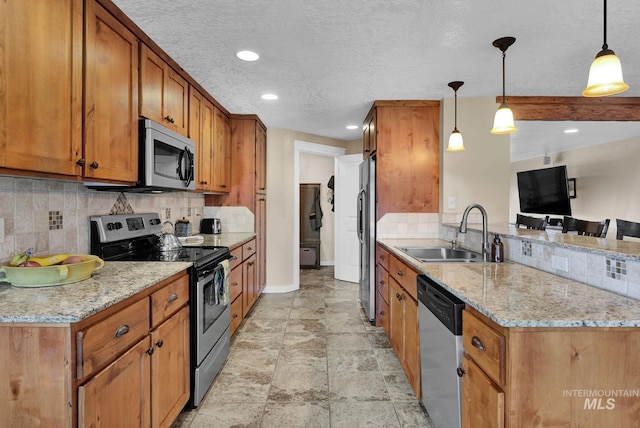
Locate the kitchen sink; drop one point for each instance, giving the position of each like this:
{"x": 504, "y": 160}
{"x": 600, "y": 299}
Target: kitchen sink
{"x": 442, "y": 254}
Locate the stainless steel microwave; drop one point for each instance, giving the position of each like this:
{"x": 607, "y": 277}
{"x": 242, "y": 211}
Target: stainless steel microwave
{"x": 167, "y": 159}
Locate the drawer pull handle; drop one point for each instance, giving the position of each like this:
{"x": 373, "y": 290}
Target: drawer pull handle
{"x": 234, "y": 316}
{"x": 234, "y": 284}
{"x": 159, "y": 343}
{"x": 460, "y": 372}
{"x": 121, "y": 331}
{"x": 382, "y": 313}
{"x": 150, "y": 351}
{"x": 475, "y": 341}
{"x": 173, "y": 297}
{"x": 399, "y": 273}
{"x": 398, "y": 296}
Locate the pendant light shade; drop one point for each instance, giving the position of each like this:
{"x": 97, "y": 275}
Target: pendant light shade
{"x": 503, "y": 121}
{"x": 605, "y": 74}
{"x": 455, "y": 139}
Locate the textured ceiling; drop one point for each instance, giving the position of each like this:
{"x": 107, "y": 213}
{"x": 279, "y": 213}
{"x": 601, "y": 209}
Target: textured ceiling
{"x": 328, "y": 60}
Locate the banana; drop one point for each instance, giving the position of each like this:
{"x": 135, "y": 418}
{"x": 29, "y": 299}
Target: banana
{"x": 19, "y": 258}
{"x": 51, "y": 260}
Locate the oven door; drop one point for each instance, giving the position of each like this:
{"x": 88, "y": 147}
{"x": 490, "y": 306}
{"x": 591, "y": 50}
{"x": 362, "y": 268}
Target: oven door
{"x": 211, "y": 302}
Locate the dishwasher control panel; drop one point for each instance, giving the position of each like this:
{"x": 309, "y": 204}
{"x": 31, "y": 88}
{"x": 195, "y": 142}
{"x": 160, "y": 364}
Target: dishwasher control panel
{"x": 443, "y": 304}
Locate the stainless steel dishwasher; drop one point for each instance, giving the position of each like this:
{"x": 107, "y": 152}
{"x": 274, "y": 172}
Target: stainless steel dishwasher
{"x": 440, "y": 317}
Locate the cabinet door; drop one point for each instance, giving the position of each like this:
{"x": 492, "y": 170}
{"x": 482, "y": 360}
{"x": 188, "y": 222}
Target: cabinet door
{"x": 152, "y": 78}
{"x": 41, "y": 85}
{"x": 261, "y": 238}
{"x": 111, "y": 98}
{"x": 411, "y": 343}
{"x": 176, "y": 102}
{"x": 170, "y": 387}
{"x": 261, "y": 159}
{"x": 395, "y": 316}
{"x": 221, "y": 152}
{"x": 369, "y": 134}
{"x": 119, "y": 395}
{"x": 249, "y": 294}
{"x": 482, "y": 400}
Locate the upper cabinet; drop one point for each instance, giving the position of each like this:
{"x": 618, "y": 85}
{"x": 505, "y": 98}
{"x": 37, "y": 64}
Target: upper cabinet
{"x": 261, "y": 158}
{"x": 41, "y": 86}
{"x": 111, "y": 98}
{"x": 407, "y": 150}
{"x": 221, "y": 174}
{"x": 369, "y": 134}
{"x": 164, "y": 94}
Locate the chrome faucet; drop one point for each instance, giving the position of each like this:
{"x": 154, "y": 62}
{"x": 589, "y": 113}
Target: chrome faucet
{"x": 485, "y": 231}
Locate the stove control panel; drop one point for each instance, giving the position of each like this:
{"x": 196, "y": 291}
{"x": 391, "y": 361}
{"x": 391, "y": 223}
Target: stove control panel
{"x": 116, "y": 227}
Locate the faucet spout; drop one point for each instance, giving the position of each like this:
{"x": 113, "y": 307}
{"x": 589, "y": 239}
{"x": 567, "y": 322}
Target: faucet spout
{"x": 485, "y": 230}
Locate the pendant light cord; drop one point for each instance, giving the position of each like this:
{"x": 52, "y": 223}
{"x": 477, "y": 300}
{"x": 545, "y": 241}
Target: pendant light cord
{"x": 503, "y": 75}
{"x": 455, "y": 109}
{"x": 604, "y": 43}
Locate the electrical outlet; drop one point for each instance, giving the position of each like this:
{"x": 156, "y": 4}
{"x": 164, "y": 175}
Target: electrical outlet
{"x": 1, "y": 231}
{"x": 560, "y": 263}
{"x": 451, "y": 202}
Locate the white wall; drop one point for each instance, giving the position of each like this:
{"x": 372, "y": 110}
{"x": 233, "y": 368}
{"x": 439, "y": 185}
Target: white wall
{"x": 480, "y": 174}
{"x": 607, "y": 176}
{"x": 280, "y": 228}
{"x": 319, "y": 169}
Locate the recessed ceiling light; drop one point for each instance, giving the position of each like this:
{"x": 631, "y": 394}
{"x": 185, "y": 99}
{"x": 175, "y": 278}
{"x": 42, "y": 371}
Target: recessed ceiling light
{"x": 269, "y": 97}
{"x": 571, "y": 131}
{"x": 352, "y": 126}
{"x": 248, "y": 56}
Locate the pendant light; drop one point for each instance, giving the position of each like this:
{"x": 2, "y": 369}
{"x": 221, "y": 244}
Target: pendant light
{"x": 503, "y": 120}
{"x": 605, "y": 74}
{"x": 455, "y": 139}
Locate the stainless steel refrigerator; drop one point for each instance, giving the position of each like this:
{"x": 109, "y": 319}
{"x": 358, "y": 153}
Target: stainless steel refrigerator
{"x": 367, "y": 235}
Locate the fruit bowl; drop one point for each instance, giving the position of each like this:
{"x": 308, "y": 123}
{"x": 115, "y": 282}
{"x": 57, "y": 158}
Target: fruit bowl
{"x": 47, "y": 276}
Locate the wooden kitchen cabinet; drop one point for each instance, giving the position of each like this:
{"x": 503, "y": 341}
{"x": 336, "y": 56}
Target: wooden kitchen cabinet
{"x": 382, "y": 289}
{"x": 405, "y": 136}
{"x": 235, "y": 288}
{"x": 261, "y": 241}
{"x": 221, "y": 174}
{"x": 261, "y": 158}
{"x": 164, "y": 94}
{"x": 41, "y": 81}
{"x": 483, "y": 400}
{"x": 403, "y": 320}
{"x": 111, "y": 98}
{"x": 250, "y": 287}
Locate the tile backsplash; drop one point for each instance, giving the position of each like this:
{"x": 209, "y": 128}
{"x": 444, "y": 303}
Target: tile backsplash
{"x": 232, "y": 219}
{"x": 52, "y": 216}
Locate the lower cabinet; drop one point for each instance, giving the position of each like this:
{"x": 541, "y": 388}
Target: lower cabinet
{"x": 244, "y": 286}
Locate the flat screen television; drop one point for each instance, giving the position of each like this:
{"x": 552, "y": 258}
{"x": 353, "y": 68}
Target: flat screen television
{"x": 544, "y": 191}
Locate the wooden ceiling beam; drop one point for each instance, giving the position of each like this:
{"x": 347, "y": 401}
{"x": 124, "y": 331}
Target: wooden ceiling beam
{"x": 574, "y": 108}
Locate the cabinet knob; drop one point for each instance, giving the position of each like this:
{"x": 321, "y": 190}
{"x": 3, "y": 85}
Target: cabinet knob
{"x": 173, "y": 297}
{"x": 475, "y": 341}
{"x": 250, "y": 263}
{"x": 224, "y": 186}
{"x": 382, "y": 313}
{"x": 150, "y": 351}
{"x": 460, "y": 372}
{"x": 234, "y": 316}
{"x": 398, "y": 296}
{"x": 121, "y": 331}
{"x": 234, "y": 284}
{"x": 169, "y": 119}
{"x": 81, "y": 162}
{"x": 159, "y": 343}
{"x": 93, "y": 165}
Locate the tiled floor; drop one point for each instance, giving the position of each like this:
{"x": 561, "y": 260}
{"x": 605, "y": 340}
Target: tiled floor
{"x": 309, "y": 359}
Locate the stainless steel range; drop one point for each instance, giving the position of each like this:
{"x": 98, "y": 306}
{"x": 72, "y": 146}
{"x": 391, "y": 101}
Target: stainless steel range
{"x": 135, "y": 237}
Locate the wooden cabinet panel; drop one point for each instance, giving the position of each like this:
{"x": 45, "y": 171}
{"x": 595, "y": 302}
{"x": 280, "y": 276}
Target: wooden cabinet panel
{"x": 111, "y": 98}
{"x": 205, "y": 155}
{"x": 396, "y": 312}
{"x": 485, "y": 345}
{"x": 482, "y": 400}
{"x": 250, "y": 290}
{"x": 382, "y": 257}
{"x": 261, "y": 159}
{"x": 236, "y": 258}
{"x": 235, "y": 284}
{"x": 369, "y": 140}
{"x": 382, "y": 314}
{"x": 221, "y": 176}
{"x": 249, "y": 248}
{"x": 382, "y": 281}
{"x": 236, "y": 314}
{"x": 41, "y": 86}
{"x": 406, "y": 276}
{"x": 103, "y": 341}
{"x": 169, "y": 299}
{"x": 120, "y": 395}
{"x": 411, "y": 339}
{"x": 164, "y": 94}
{"x": 261, "y": 238}
{"x": 170, "y": 377}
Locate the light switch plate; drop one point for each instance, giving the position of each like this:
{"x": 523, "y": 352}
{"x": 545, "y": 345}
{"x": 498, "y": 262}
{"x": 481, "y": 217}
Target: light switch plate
{"x": 1, "y": 231}
{"x": 451, "y": 202}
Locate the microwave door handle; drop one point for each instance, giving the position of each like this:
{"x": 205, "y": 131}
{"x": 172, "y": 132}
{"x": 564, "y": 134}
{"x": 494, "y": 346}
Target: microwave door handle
{"x": 179, "y": 170}
{"x": 190, "y": 171}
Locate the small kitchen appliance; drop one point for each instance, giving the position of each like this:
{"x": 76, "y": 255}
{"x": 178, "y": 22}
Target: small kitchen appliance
{"x": 211, "y": 225}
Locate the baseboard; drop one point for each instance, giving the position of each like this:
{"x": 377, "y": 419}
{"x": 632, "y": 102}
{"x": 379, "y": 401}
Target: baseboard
{"x": 327, "y": 263}
{"x": 280, "y": 288}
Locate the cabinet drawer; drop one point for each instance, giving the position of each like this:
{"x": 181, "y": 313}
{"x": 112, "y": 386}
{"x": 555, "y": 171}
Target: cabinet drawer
{"x": 382, "y": 257}
{"x": 236, "y": 314}
{"x": 485, "y": 345}
{"x": 236, "y": 258}
{"x": 382, "y": 283}
{"x": 248, "y": 249}
{"x": 104, "y": 341}
{"x": 235, "y": 283}
{"x": 405, "y": 276}
{"x": 382, "y": 314}
{"x": 169, "y": 299}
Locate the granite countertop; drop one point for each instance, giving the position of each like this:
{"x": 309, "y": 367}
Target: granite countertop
{"x": 230, "y": 240}
{"x": 514, "y": 295}
{"x": 73, "y": 302}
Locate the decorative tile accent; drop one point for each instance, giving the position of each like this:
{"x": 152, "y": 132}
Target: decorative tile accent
{"x": 526, "y": 248}
{"x": 189, "y": 212}
{"x": 167, "y": 213}
{"x": 55, "y": 220}
{"x": 616, "y": 268}
{"x": 121, "y": 206}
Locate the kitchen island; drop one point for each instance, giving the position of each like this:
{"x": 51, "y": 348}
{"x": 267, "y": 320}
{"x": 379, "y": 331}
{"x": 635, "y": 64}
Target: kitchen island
{"x": 555, "y": 352}
{"x": 80, "y": 353}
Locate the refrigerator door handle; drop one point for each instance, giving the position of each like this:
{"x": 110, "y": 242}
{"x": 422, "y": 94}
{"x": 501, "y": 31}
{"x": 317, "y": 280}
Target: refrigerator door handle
{"x": 360, "y": 214}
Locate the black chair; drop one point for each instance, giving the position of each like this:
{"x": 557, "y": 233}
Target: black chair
{"x": 586, "y": 228}
{"x": 627, "y": 228}
{"x": 531, "y": 222}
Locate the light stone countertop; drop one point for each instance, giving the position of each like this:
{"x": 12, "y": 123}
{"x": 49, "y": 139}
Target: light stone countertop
{"x": 230, "y": 240}
{"x": 514, "y": 295}
{"x": 74, "y": 302}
